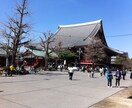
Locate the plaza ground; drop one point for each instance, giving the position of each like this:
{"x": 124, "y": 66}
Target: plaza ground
{"x": 53, "y": 89}
{"x": 122, "y": 99}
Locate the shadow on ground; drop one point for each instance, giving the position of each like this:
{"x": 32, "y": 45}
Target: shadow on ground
{"x": 53, "y": 74}
{"x": 120, "y": 87}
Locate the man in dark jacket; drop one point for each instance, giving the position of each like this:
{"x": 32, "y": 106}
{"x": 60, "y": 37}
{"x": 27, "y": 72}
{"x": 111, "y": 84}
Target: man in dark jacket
{"x": 131, "y": 75}
{"x": 118, "y": 77}
{"x": 123, "y": 74}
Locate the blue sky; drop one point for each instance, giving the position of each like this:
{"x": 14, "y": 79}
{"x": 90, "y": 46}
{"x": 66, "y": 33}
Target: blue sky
{"x": 48, "y": 14}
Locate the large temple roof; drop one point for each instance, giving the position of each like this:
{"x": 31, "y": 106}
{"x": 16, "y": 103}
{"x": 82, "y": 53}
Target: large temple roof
{"x": 81, "y": 34}
{"x": 78, "y": 34}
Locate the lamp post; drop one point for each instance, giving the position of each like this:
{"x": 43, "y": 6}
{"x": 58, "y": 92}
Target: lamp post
{"x": 79, "y": 54}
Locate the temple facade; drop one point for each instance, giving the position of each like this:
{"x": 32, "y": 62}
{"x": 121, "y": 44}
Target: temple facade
{"x": 77, "y": 36}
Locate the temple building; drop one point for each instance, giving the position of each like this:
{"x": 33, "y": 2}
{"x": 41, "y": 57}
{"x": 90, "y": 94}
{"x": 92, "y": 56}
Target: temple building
{"x": 76, "y": 36}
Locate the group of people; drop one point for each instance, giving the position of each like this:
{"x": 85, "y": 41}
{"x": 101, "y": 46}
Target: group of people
{"x": 10, "y": 69}
{"x": 102, "y": 71}
{"x": 90, "y": 70}
{"x": 118, "y": 75}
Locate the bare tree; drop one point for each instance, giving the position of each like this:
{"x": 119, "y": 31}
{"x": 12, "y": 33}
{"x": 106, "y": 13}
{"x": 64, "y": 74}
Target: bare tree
{"x": 16, "y": 27}
{"x": 95, "y": 51}
{"x": 57, "y": 47}
{"x": 45, "y": 43}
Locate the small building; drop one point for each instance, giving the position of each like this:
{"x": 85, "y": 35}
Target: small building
{"x": 36, "y": 56}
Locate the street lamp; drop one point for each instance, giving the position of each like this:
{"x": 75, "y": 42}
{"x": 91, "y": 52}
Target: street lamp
{"x": 79, "y": 53}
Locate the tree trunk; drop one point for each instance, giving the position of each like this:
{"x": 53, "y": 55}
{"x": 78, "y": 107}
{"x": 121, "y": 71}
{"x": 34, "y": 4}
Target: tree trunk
{"x": 15, "y": 46}
{"x": 46, "y": 63}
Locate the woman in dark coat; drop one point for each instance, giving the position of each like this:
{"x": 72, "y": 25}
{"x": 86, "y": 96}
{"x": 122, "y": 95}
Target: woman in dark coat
{"x": 118, "y": 77}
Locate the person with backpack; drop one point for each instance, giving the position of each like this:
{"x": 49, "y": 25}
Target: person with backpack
{"x": 109, "y": 78}
{"x": 117, "y": 78}
{"x": 130, "y": 74}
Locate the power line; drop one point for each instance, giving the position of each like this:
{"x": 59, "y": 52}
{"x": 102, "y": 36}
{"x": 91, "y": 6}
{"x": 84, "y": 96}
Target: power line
{"x": 121, "y": 35}
{"x": 37, "y": 31}
{"x": 118, "y": 35}
{"x": 109, "y": 36}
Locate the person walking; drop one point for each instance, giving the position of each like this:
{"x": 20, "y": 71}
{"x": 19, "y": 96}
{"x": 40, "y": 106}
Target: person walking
{"x": 12, "y": 69}
{"x": 109, "y": 78}
{"x": 124, "y": 74}
{"x": 130, "y": 74}
{"x": 89, "y": 71}
{"x": 105, "y": 69}
{"x": 101, "y": 71}
{"x": 92, "y": 72}
{"x": 70, "y": 72}
{"x": 61, "y": 67}
{"x": 7, "y": 70}
{"x": 117, "y": 78}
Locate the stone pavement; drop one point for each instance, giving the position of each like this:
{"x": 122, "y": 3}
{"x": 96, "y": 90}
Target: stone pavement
{"x": 54, "y": 90}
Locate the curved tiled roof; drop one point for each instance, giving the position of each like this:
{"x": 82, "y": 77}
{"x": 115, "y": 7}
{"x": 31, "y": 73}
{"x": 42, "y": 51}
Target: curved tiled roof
{"x": 42, "y": 53}
{"x": 81, "y": 34}
{"x": 118, "y": 51}
{"x": 77, "y": 34}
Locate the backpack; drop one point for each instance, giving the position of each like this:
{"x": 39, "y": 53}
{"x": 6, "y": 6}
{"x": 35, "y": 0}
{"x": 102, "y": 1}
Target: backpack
{"x": 111, "y": 76}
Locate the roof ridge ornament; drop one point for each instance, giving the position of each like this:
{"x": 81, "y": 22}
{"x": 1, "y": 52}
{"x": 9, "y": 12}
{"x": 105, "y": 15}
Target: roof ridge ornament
{"x": 81, "y": 24}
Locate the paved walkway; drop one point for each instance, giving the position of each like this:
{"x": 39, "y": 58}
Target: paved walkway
{"x": 54, "y": 90}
